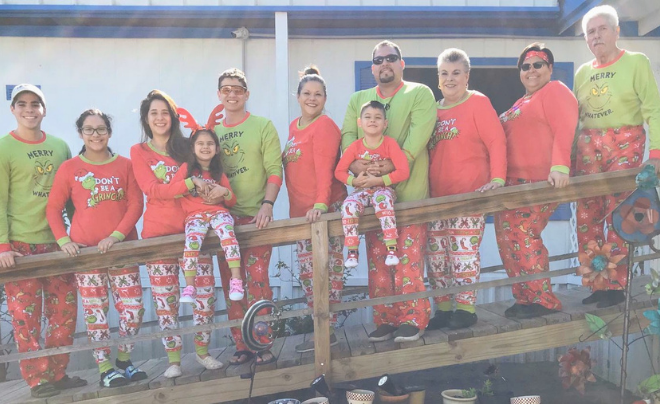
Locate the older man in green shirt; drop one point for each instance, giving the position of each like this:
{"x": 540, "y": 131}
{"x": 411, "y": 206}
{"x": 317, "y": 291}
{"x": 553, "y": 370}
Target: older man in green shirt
{"x": 411, "y": 114}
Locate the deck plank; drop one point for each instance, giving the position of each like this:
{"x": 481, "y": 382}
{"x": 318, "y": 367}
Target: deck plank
{"x": 192, "y": 369}
{"x": 288, "y": 356}
{"x": 482, "y": 328}
{"x": 499, "y": 308}
{"x": 501, "y": 323}
{"x": 340, "y": 350}
{"x": 66, "y": 396}
{"x": 434, "y": 337}
{"x": 132, "y": 387}
{"x": 358, "y": 342}
{"x": 157, "y": 379}
{"x": 224, "y": 357}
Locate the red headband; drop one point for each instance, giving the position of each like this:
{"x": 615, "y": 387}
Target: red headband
{"x": 540, "y": 54}
{"x": 214, "y": 119}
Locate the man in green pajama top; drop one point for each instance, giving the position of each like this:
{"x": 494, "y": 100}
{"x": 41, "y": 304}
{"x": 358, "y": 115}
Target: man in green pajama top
{"x": 411, "y": 115}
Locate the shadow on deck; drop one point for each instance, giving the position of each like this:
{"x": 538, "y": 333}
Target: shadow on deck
{"x": 354, "y": 357}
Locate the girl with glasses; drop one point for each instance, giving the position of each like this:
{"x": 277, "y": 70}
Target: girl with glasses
{"x": 539, "y": 129}
{"x": 108, "y": 203}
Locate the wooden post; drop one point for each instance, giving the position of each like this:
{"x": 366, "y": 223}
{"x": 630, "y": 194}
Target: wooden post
{"x": 320, "y": 240}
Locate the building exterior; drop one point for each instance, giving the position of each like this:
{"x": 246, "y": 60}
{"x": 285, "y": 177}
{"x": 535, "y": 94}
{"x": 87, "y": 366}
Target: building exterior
{"x": 109, "y": 54}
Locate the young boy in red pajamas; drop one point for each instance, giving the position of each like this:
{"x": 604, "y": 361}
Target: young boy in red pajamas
{"x": 371, "y": 189}
{"x": 29, "y": 159}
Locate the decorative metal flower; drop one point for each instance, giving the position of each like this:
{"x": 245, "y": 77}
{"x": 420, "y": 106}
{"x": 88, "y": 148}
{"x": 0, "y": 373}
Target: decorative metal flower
{"x": 654, "y": 316}
{"x": 575, "y": 369}
{"x": 598, "y": 265}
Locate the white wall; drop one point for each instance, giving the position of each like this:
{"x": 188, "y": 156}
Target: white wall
{"x": 115, "y": 74}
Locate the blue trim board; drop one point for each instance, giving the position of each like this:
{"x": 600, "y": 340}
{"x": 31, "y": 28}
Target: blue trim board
{"x": 573, "y": 11}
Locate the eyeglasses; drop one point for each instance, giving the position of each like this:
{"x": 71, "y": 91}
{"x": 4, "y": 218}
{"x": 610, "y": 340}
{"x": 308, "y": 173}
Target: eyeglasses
{"x": 238, "y": 90}
{"x": 88, "y": 130}
{"x": 378, "y": 60}
{"x": 537, "y": 65}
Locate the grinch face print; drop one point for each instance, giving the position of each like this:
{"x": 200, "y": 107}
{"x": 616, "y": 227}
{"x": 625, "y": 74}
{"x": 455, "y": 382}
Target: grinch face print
{"x": 162, "y": 171}
{"x": 100, "y": 189}
{"x": 43, "y": 171}
{"x": 598, "y": 97}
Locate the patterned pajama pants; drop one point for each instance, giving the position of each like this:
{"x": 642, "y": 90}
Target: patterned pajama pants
{"x": 56, "y": 298}
{"x": 453, "y": 255}
{"x": 254, "y": 272}
{"x": 335, "y": 269}
{"x": 407, "y": 277}
{"x": 196, "y": 228}
{"x": 127, "y": 295}
{"x": 600, "y": 151}
{"x": 522, "y": 250}
{"x": 382, "y": 199}
{"x": 164, "y": 278}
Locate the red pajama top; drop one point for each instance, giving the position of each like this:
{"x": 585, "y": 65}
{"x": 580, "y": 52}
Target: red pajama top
{"x": 387, "y": 149}
{"x": 195, "y": 204}
{"x": 310, "y": 156}
{"x": 467, "y": 148}
{"x": 163, "y": 216}
{"x": 107, "y": 199}
{"x": 539, "y": 132}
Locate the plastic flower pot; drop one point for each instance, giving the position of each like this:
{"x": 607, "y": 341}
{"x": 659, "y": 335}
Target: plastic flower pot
{"x": 455, "y": 396}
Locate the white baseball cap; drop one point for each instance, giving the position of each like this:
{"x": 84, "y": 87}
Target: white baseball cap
{"x": 21, "y": 88}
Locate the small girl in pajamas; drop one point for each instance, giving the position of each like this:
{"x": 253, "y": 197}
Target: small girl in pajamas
{"x": 204, "y": 174}
{"x": 108, "y": 202}
{"x": 370, "y": 189}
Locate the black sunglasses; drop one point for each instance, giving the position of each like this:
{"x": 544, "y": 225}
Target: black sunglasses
{"x": 378, "y": 60}
{"x": 537, "y": 65}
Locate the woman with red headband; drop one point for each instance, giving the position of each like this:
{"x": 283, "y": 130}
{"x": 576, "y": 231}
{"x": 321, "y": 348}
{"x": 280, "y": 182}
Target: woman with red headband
{"x": 539, "y": 129}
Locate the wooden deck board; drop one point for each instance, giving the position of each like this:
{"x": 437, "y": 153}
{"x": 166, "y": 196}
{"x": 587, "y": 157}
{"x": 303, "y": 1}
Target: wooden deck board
{"x": 133, "y": 387}
{"x": 434, "y": 337}
{"x": 66, "y": 396}
{"x": 288, "y": 356}
{"x": 92, "y": 389}
{"x": 499, "y": 308}
{"x": 501, "y": 323}
{"x": 356, "y": 336}
{"x": 340, "y": 350}
{"x": 355, "y": 357}
{"x": 224, "y": 357}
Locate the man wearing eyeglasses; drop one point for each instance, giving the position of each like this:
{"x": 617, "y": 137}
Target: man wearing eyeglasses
{"x": 251, "y": 157}
{"x": 617, "y": 94}
{"x": 411, "y": 114}
{"x": 29, "y": 159}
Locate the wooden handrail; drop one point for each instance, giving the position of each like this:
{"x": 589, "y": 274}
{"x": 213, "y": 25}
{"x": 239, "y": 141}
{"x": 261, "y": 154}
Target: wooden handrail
{"x": 288, "y": 231}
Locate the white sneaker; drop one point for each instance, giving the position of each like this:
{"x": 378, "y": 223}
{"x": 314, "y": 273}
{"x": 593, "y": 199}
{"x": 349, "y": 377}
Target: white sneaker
{"x": 209, "y": 362}
{"x": 173, "y": 371}
{"x": 351, "y": 259}
{"x": 391, "y": 259}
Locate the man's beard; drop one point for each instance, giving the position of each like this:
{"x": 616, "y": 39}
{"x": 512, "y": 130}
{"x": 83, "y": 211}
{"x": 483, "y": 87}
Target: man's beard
{"x": 385, "y": 80}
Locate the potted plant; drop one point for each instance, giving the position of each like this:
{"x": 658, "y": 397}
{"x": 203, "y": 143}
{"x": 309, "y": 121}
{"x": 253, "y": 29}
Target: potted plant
{"x": 456, "y": 396}
{"x": 650, "y": 389}
{"x": 486, "y": 395}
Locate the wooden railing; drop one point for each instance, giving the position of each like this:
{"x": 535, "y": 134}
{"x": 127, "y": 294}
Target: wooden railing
{"x": 282, "y": 232}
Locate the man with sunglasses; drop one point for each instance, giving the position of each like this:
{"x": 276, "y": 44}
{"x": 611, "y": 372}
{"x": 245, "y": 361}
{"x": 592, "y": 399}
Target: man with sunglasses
{"x": 411, "y": 114}
{"x": 251, "y": 158}
{"x": 29, "y": 159}
{"x": 617, "y": 93}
